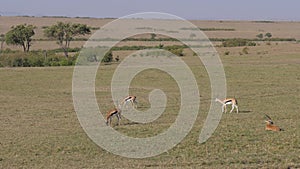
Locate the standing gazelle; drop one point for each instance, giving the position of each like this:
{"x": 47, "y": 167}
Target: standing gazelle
{"x": 131, "y": 99}
{"x": 111, "y": 113}
{"x": 232, "y": 101}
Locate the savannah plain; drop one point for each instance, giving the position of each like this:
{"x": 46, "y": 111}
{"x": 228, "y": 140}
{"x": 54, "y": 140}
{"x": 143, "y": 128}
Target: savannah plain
{"x": 39, "y": 127}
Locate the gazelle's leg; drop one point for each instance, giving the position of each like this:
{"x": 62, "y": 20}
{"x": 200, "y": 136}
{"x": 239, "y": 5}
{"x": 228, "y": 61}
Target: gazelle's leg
{"x": 127, "y": 104}
{"x": 132, "y": 103}
{"x": 118, "y": 119}
{"x": 135, "y": 102}
{"x": 224, "y": 108}
{"x": 237, "y": 108}
{"x": 232, "y": 107}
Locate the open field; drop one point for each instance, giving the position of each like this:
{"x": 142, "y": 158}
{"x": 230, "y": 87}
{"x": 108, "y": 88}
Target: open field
{"x": 39, "y": 127}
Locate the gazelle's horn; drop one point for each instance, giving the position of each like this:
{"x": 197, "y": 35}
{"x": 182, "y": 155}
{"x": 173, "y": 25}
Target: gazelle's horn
{"x": 268, "y": 117}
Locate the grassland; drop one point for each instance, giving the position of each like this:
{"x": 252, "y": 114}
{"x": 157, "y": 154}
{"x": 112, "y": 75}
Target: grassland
{"x": 39, "y": 127}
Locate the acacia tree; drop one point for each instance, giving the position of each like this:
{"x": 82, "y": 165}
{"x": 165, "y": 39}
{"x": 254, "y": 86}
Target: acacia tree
{"x": 65, "y": 32}
{"x": 268, "y": 35}
{"x": 260, "y": 36}
{"x": 20, "y": 36}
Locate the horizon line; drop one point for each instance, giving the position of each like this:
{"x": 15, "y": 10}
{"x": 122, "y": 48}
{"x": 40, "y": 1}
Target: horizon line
{"x": 93, "y": 17}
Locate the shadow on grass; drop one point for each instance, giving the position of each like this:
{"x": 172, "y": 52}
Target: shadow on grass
{"x": 245, "y": 111}
{"x": 130, "y": 123}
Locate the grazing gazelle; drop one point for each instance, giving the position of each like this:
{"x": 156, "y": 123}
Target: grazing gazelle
{"x": 270, "y": 125}
{"x": 231, "y": 101}
{"x": 111, "y": 113}
{"x": 131, "y": 99}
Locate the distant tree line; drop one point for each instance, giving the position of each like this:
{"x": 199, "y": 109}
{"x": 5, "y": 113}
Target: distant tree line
{"x": 63, "y": 33}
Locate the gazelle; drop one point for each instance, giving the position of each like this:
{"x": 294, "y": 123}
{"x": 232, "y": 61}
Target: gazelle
{"x": 232, "y": 101}
{"x": 131, "y": 99}
{"x": 270, "y": 125}
{"x": 111, "y": 113}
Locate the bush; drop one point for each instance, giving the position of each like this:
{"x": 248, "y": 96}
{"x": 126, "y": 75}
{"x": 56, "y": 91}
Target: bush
{"x": 108, "y": 57}
{"x": 34, "y": 59}
{"x": 237, "y": 42}
{"x": 227, "y": 53}
{"x": 64, "y": 62}
{"x": 178, "y": 51}
{"x": 251, "y": 43}
{"x": 260, "y": 36}
{"x": 17, "y": 62}
{"x": 245, "y": 50}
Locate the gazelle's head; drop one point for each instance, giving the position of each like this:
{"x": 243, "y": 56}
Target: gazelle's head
{"x": 269, "y": 122}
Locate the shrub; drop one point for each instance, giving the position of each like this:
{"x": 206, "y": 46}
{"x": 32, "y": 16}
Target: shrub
{"x": 64, "y": 62}
{"x": 245, "y": 50}
{"x": 227, "y": 53}
{"x": 35, "y": 59}
{"x": 17, "y": 62}
{"x": 260, "y": 36}
{"x": 160, "y": 46}
{"x": 237, "y": 42}
{"x": 178, "y": 51}
{"x": 250, "y": 43}
{"x": 108, "y": 57}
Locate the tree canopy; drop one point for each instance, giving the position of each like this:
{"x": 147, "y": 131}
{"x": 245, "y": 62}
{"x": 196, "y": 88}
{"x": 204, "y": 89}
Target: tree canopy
{"x": 65, "y": 32}
{"x": 20, "y": 36}
{"x": 269, "y": 35}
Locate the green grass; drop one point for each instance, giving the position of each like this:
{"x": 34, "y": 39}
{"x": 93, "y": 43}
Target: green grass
{"x": 39, "y": 127}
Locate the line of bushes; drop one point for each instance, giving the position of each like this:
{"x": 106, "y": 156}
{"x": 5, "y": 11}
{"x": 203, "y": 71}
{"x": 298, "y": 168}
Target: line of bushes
{"x": 209, "y": 29}
{"x": 237, "y": 42}
{"x": 255, "y": 39}
{"x": 248, "y": 42}
{"x": 34, "y": 59}
{"x": 175, "y": 40}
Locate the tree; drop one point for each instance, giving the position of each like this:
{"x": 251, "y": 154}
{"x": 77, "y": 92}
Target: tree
{"x": 20, "y": 36}
{"x": 268, "y": 35}
{"x": 260, "y": 36}
{"x": 65, "y": 32}
{"x": 153, "y": 35}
